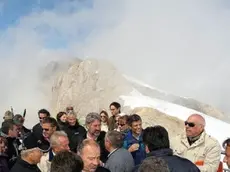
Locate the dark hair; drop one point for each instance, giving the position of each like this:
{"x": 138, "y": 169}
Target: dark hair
{"x": 107, "y": 116}
{"x": 3, "y": 140}
{"x": 226, "y": 143}
{"x": 66, "y": 161}
{"x": 156, "y": 138}
{"x": 50, "y": 120}
{"x": 116, "y": 105}
{"x": 59, "y": 115}
{"x": 133, "y": 118}
{"x": 7, "y": 126}
{"x": 44, "y": 111}
{"x": 124, "y": 118}
{"x": 116, "y": 138}
{"x": 155, "y": 164}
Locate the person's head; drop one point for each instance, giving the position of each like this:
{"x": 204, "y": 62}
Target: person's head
{"x": 10, "y": 128}
{"x": 226, "y": 146}
{"x": 8, "y": 115}
{"x": 135, "y": 123}
{"x": 72, "y": 118}
{"x": 93, "y": 124}
{"x": 69, "y": 109}
{"x": 49, "y": 125}
{"x": 19, "y": 121}
{"x": 66, "y": 161}
{"x": 3, "y": 145}
{"x": 194, "y": 125}
{"x": 32, "y": 156}
{"x": 104, "y": 117}
{"x": 43, "y": 113}
{"x": 122, "y": 123}
{"x": 89, "y": 151}
{"x": 155, "y": 164}
{"x": 113, "y": 140}
{"x": 116, "y": 119}
{"x": 61, "y": 117}
{"x": 115, "y": 108}
{"x": 155, "y": 138}
{"x": 59, "y": 141}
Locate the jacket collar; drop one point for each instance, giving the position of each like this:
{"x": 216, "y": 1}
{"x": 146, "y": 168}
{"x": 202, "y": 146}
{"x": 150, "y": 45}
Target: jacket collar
{"x": 26, "y": 164}
{"x": 161, "y": 152}
{"x": 184, "y": 140}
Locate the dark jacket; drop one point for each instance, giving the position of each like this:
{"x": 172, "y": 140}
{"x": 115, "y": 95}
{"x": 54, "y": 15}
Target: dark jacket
{"x": 175, "y": 163}
{"x": 37, "y": 130}
{"x": 12, "y": 151}
{"x": 102, "y": 169}
{"x": 23, "y": 166}
{"x": 75, "y": 134}
{"x": 138, "y": 155}
{"x": 3, "y": 163}
{"x": 101, "y": 141}
{"x": 62, "y": 125}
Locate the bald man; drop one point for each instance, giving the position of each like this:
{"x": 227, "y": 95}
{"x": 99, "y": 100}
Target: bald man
{"x": 197, "y": 146}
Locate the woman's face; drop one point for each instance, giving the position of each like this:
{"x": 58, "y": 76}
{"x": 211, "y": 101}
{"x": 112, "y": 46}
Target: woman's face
{"x": 103, "y": 117}
{"x": 3, "y": 147}
{"x": 72, "y": 120}
{"x": 63, "y": 118}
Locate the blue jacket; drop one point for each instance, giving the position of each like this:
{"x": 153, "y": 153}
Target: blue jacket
{"x": 138, "y": 155}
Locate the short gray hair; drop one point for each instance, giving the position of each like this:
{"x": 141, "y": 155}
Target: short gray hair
{"x": 116, "y": 138}
{"x": 87, "y": 142}
{"x": 26, "y": 152}
{"x": 54, "y": 139}
{"x": 91, "y": 117}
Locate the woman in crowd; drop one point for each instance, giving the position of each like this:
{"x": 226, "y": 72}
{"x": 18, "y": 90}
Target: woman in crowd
{"x": 62, "y": 119}
{"x": 104, "y": 121}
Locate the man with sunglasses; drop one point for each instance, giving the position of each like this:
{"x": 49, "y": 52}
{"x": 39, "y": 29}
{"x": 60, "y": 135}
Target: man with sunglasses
{"x": 197, "y": 146}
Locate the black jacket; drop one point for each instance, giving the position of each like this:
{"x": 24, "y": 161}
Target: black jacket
{"x": 175, "y": 163}
{"x": 75, "y": 134}
{"x": 3, "y": 163}
{"x": 23, "y": 166}
{"x": 37, "y": 130}
{"x": 102, "y": 169}
{"x": 101, "y": 141}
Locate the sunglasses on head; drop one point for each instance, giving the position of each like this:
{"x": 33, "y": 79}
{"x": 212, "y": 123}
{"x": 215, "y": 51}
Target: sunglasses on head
{"x": 121, "y": 125}
{"x": 190, "y": 124}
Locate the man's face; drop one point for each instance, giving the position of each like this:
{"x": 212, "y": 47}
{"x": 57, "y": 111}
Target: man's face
{"x": 71, "y": 120}
{"x": 227, "y": 156}
{"x": 95, "y": 128}
{"x": 48, "y": 130}
{"x": 63, "y": 146}
{"x": 136, "y": 127}
{"x": 122, "y": 125}
{"x": 14, "y": 132}
{"x": 91, "y": 158}
{"x": 192, "y": 127}
{"x": 114, "y": 110}
{"x": 42, "y": 116}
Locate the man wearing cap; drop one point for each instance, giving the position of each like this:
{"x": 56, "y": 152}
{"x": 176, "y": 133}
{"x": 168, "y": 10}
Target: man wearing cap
{"x": 28, "y": 160}
{"x": 19, "y": 121}
{"x": 197, "y": 146}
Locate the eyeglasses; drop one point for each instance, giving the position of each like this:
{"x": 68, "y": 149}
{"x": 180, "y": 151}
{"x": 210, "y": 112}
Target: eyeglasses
{"x": 190, "y": 124}
{"x": 42, "y": 117}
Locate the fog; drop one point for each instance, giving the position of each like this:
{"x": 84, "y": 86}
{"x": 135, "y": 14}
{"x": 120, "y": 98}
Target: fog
{"x": 178, "y": 46}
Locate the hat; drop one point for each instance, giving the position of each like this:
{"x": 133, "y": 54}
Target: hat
{"x": 8, "y": 115}
{"x": 30, "y": 143}
{"x": 18, "y": 119}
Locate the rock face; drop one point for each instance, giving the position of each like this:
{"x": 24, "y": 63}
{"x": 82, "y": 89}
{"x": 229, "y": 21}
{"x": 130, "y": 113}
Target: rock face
{"x": 88, "y": 86}
{"x": 91, "y": 85}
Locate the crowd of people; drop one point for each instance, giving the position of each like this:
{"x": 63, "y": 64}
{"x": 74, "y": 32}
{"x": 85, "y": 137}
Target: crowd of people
{"x": 106, "y": 143}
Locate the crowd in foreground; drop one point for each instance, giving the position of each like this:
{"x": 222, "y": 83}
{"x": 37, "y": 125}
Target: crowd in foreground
{"x": 106, "y": 144}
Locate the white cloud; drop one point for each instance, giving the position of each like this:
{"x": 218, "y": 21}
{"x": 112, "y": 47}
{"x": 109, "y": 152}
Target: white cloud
{"x": 179, "y": 46}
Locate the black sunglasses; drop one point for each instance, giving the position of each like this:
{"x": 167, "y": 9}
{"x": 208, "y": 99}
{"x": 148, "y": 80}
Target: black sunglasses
{"x": 121, "y": 125}
{"x": 190, "y": 124}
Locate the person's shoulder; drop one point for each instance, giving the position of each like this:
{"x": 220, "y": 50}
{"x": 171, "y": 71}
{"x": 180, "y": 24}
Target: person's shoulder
{"x": 102, "y": 169}
{"x": 211, "y": 139}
